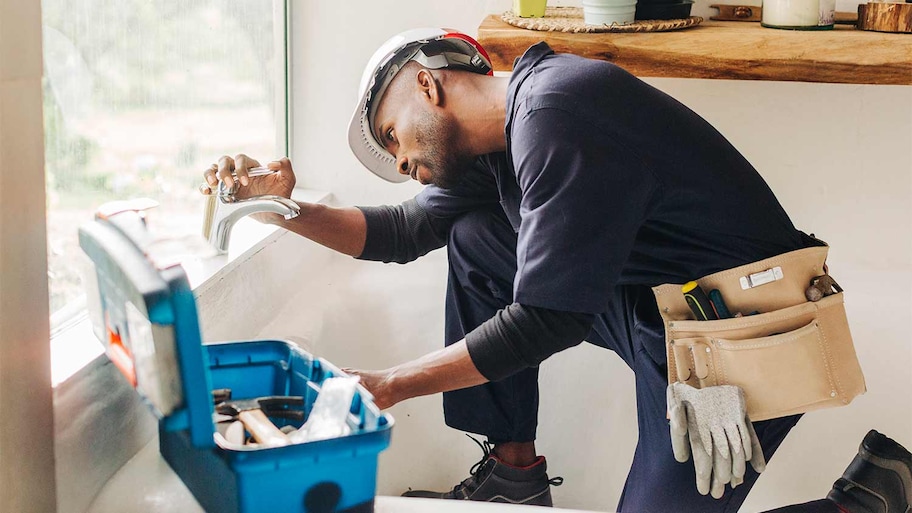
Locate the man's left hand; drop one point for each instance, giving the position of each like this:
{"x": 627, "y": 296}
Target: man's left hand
{"x": 444, "y": 370}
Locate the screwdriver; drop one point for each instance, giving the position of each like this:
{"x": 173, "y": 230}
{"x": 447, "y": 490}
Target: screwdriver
{"x": 698, "y": 302}
{"x": 718, "y": 304}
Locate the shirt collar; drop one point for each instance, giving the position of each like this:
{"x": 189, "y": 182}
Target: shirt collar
{"x": 522, "y": 68}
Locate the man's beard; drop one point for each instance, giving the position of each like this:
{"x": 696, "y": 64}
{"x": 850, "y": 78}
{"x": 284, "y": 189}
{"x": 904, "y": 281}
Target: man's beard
{"x": 437, "y": 138}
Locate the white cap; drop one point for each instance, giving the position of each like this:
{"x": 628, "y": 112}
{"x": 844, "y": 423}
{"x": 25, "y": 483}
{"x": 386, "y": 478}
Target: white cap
{"x": 433, "y": 48}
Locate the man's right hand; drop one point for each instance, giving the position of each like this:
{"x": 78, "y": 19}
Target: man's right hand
{"x": 341, "y": 229}
{"x": 280, "y": 183}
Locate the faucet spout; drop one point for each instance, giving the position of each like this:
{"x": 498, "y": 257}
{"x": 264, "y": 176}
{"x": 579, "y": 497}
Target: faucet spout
{"x": 229, "y": 210}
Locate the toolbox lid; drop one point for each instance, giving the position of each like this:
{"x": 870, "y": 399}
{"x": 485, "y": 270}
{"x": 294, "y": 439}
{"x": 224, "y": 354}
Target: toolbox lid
{"x": 144, "y": 313}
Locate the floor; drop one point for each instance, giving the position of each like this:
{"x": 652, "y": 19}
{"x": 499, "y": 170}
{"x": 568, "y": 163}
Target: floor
{"x": 146, "y": 483}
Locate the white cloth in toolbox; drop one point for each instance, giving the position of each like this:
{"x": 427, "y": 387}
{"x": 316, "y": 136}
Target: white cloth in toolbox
{"x": 146, "y": 483}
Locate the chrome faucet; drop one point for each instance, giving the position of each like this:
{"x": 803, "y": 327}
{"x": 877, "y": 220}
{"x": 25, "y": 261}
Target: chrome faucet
{"x": 224, "y": 210}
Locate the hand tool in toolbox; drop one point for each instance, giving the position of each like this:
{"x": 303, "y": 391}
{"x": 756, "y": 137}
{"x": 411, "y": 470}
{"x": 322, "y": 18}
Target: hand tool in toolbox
{"x": 234, "y": 433}
{"x": 144, "y": 313}
{"x": 255, "y": 415}
{"x": 249, "y": 412}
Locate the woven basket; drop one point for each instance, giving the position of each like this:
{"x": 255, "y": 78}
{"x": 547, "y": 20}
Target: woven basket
{"x": 570, "y": 19}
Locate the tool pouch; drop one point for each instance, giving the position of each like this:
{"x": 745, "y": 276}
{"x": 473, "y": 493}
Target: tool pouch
{"x": 794, "y": 356}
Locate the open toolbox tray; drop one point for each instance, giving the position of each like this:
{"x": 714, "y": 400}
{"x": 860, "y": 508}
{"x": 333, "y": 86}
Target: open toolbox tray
{"x": 143, "y": 311}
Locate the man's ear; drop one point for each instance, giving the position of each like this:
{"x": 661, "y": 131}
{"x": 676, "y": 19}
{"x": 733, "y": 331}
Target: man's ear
{"x": 430, "y": 87}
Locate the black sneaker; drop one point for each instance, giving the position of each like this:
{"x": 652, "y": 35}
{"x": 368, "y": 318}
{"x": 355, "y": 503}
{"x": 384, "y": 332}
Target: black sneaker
{"x": 879, "y": 479}
{"x": 492, "y": 480}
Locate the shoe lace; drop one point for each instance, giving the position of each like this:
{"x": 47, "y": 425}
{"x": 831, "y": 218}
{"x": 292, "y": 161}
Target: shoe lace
{"x": 487, "y": 449}
{"x": 475, "y": 473}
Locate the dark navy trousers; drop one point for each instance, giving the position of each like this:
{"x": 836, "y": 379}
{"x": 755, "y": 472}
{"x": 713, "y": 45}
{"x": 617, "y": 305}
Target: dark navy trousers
{"x": 482, "y": 264}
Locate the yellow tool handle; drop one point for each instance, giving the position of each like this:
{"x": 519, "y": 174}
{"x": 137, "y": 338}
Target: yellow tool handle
{"x": 262, "y": 429}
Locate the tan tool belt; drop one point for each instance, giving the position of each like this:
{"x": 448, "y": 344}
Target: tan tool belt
{"x": 792, "y": 357}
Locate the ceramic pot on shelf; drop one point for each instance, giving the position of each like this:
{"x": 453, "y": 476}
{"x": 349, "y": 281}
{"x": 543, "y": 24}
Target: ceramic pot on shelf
{"x": 608, "y": 12}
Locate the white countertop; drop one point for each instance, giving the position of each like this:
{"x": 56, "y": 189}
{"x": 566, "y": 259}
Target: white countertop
{"x": 146, "y": 483}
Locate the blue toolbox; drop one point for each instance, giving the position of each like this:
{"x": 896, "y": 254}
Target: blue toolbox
{"x": 144, "y": 313}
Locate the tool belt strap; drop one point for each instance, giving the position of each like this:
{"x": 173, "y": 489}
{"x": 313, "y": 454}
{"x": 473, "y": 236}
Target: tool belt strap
{"x": 794, "y": 356}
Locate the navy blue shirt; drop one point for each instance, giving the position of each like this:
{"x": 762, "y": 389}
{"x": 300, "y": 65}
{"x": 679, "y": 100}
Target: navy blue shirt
{"x": 609, "y": 181}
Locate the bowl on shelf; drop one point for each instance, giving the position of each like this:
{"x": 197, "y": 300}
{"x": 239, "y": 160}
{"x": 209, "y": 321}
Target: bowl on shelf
{"x": 648, "y": 10}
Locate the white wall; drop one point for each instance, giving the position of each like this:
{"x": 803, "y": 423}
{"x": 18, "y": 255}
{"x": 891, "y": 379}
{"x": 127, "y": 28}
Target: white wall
{"x": 837, "y": 156}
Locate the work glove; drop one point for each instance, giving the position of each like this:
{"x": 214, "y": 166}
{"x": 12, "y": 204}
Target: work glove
{"x": 712, "y": 424}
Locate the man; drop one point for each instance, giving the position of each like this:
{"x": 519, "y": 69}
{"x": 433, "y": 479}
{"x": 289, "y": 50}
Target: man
{"x": 562, "y": 194}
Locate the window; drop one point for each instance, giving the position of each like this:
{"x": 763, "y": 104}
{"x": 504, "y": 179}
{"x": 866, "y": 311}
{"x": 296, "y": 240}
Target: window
{"x": 139, "y": 98}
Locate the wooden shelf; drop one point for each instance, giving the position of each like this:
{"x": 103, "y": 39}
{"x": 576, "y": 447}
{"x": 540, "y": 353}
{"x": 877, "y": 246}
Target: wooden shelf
{"x": 724, "y": 50}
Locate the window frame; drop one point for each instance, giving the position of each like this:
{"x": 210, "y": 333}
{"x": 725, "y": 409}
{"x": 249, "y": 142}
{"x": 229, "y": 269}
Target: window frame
{"x": 73, "y": 345}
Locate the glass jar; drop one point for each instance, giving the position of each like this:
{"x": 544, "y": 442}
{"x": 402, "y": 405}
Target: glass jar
{"x": 799, "y": 14}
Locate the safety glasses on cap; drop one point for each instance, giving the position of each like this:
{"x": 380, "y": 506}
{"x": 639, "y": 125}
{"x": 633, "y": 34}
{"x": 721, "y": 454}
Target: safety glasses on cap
{"x": 431, "y": 48}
